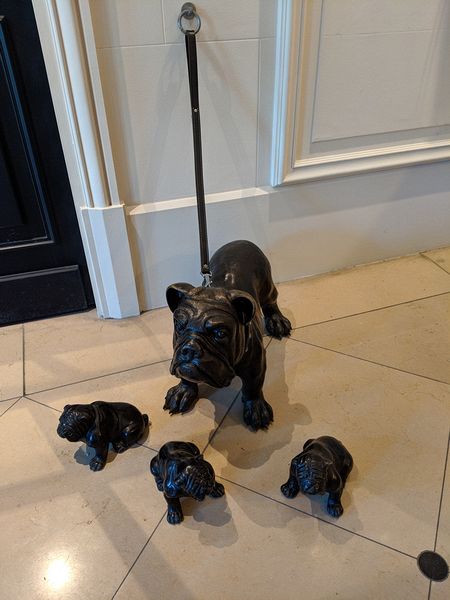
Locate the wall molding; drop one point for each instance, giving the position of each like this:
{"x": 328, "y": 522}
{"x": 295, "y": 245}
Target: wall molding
{"x": 68, "y": 46}
{"x": 297, "y": 53}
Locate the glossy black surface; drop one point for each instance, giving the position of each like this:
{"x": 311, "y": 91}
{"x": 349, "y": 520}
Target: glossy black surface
{"x": 218, "y": 331}
{"x": 432, "y": 565}
{"x": 322, "y": 467}
{"x": 181, "y": 471}
{"x": 100, "y": 424}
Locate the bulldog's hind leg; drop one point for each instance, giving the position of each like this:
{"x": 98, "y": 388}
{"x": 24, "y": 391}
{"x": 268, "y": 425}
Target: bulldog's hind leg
{"x": 181, "y": 397}
{"x": 277, "y": 325}
{"x": 128, "y": 436}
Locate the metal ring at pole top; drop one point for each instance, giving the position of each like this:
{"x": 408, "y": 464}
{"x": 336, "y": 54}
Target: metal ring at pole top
{"x": 189, "y": 12}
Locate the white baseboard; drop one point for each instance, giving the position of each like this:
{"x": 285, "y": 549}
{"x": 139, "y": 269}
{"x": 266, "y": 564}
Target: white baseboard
{"x": 305, "y": 230}
{"x": 107, "y": 239}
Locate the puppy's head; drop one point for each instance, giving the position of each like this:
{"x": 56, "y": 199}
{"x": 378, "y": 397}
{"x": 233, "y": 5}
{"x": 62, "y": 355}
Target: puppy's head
{"x": 186, "y": 477}
{"x": 75, "y": 422}
{"x": 210, "y": 332}
{"x": 313, "y": 473}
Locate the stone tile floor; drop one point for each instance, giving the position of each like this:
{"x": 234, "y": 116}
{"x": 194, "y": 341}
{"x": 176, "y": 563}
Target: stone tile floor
{"x": 368, "y": 362}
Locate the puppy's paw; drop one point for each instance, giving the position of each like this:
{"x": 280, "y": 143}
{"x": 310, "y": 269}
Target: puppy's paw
{"x": 278, "y": 326}
{"x": 120, "y": 447}
{"x": 217, "y": 491}
{"x": 290, "y": 489}
{"x": 97, "y": 463}
{"x": 174, "y": 516}
{"x": 258, "y": 414}
{"x": 334, "y": 508}
{"x": 180, "y": 398}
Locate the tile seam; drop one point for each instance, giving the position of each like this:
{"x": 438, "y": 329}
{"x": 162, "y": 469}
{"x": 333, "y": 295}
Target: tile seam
{"x": 366, "y": 312}
{"x": 138, "y": 556}
{"x": 371, "y": 362}
{"x": 318, "y": 518}
{"x": 56, "y": 387}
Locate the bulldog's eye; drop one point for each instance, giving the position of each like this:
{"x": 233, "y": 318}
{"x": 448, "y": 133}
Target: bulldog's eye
{"x": 220, "y": 333}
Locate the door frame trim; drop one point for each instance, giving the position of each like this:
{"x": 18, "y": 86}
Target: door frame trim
{"x": 68, "y": 47}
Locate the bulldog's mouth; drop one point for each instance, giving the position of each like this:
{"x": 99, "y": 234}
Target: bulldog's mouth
{"x": 195, "y": 374}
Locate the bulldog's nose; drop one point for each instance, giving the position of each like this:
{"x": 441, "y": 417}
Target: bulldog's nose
{"x": 190, "y": 350}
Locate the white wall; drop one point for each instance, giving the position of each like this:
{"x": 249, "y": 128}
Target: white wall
{"x": 306, "y": 228}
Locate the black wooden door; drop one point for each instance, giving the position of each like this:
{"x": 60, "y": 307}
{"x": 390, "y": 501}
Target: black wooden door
{"x": 42, "y": 264}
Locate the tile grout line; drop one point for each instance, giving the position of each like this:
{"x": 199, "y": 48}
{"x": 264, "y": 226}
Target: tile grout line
{"x": 318, "y": 518}
{"x": 365, "y": 312}
{"x": 42, "y": 404}
{"x": 429, "y": 590}
{"x": 434, "y": 262}
{"x": 56, "y": 387}
{"x": 221, "y": 421}
{"x": 442, "y": 494}
{"x": 372, "y": 362}
{"x": 138, "y": 556}
{"x": 9, "y": 407}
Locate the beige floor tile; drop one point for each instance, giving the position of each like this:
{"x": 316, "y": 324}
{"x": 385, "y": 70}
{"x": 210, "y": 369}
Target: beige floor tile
{"x": 6, "y": 404}
{"x": 146, "y": 388}
{"x": 68, "y": 532}
{"x": 441, "y": 590}
{"x": 413, "y": 337}
{"x": 361, "y": 289}
{"x": 11, "y": 367}
{"x": 440, "y": 257}
{"x": 395, "y": 425}
{"x": 76, "y": 347}
{"x": 243, "y": 546}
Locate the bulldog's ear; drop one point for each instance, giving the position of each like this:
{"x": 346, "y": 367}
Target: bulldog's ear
{"x": 244, "y": 304}
{"x": 177, "y": 292}
{"x": 67, "y": 406}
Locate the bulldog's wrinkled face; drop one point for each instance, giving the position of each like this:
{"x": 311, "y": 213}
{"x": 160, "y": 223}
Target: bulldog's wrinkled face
{"x": 311, "y": 474}
{"x": 209, "y": 333}
{"x": 74, "y": 422}
{"x": 181, "y": 478}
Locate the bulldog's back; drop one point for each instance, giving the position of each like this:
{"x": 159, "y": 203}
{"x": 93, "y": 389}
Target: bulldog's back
{"x": 241, "y": 265}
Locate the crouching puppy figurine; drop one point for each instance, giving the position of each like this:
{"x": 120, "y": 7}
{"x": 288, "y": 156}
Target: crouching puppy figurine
{"x": 181, "y": 471}
{"x": 100, "y": 424}
{"x": 218, "y": 330}
{"x": 323, "y": 466}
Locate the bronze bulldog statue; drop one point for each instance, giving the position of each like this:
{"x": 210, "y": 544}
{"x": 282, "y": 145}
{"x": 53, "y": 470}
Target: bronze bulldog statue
{"x": 101, "y": 424}
{"x": 181, "y": 471}
{"x": 322, "y": 467}
{"x": 218, "y": 331}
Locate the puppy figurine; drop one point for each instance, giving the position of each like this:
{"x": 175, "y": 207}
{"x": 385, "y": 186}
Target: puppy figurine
{"x": 218, "y": 330}
{"x": 180, "y": 470}
{"x": 323, "y": 466}
{"x": 100, "y": 424}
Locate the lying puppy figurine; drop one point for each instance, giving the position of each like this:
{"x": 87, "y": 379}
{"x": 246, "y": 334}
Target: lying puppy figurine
{"x": 180, "y": 470}
{"x": 100, "y": 424}
{"x": 323, "y": 466}
{"x": 218, "y": 330}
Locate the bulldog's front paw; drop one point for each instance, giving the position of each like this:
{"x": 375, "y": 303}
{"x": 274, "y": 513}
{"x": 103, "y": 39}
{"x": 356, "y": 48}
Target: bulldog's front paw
{"x": 334, "y": 508}
{"x": 174, "y": 516}
{"x": 258, "y": 414}
{"x": 120, "y": 447}
{"x": 290, "y": 489}
{"x": 181, "y": 398}
{"x": 217, "y": 491}
{"x": 97, "y": 463}
{"x": 278, "y": 326}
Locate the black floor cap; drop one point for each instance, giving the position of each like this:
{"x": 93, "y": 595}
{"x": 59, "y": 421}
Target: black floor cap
{"x": 432, "y": 565}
